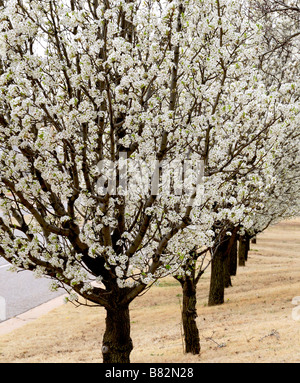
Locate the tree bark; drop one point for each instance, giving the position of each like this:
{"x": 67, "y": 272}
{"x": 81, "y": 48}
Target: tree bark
{"x": 242, "y": 251}
{"x": 189, "y": 315}
{"x": 226, "y": 266}
{"x": 230, "y": 264}
{"x": 216, "y": 291}
{"x": 117, "y": 344}
{"x": 247, "y": 240}
{"x": 233, "y": 257}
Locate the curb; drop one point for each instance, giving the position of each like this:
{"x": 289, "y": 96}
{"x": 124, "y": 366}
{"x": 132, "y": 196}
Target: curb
{"x": 30, "y": 315}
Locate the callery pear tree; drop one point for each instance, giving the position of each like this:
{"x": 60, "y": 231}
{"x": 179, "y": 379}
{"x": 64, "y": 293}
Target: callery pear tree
{"x": 86, "y": 85}
{"x": 99, "y": 100}
{"x": 279, "y": 62}
{"x": 250, "y": 184}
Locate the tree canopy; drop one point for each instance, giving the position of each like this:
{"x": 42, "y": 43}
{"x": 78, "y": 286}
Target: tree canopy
{"x": 90, "y": 88}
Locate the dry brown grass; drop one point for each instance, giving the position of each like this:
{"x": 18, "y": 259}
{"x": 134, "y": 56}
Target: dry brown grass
{"x": 254, "y": 324}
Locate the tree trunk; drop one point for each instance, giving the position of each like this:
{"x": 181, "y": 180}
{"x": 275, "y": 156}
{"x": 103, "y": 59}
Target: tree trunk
{"x": 216, "y": 291}
{"x": 233, "y": 257}
{"x": 226, "y": 265}
{"x": 253, "y": 240}
{"x": 242, "y": 251}
{"x": 189, "y": 315}
{"x": 247, "y": 240}
{"x": 117, "y": 343}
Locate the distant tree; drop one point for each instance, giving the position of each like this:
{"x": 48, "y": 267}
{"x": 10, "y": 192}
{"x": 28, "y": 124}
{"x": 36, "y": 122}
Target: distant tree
{"x": 249, "y": 193}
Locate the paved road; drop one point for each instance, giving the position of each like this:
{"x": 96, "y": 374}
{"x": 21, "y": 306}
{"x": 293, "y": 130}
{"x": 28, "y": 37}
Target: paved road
{"x": 22, "y": 291}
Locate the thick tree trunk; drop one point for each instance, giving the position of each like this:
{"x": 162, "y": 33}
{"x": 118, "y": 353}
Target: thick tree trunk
{"x": 242, "y": 251}
{"x": 117, "y": 343}
{"x": 233, "y": 258}
{"x": 247, "y": 240}
{"x": 230, "y": 264}
{"x": 226, "y": 265}
{"x": 216, "y": 291}
{"x": 189, "y": 315}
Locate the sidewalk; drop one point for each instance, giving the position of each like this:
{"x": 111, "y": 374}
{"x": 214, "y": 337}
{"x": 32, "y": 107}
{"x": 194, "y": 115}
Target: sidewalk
{"x": 30, "y": 315}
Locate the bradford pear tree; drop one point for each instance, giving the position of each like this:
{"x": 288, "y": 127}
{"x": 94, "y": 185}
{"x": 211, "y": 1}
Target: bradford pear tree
{"x": 279, "y": 62}
{"x": 82, "y": 83}
{"x": 87, "y": 86}
{"x": 278, "y": 67}
{"x": 283, "y": 200}
{"x": 249, "y": 175}
{"x": 94, "y": 94}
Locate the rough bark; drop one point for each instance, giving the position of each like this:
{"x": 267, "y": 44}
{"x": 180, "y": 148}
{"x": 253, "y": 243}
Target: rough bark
{"x": 230, "y": 263}
{"x": 247, "y": 240}
{"x": 233, "y": 257}
{"x": 242, "y": 251}
{"x": 117, "y": 343}
{"x": 189, "y": 315}
{"x": 226, "y": 266}
{"x": 216, "y": 291}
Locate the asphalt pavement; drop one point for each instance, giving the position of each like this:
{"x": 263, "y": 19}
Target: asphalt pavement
{"x": 22, "y": 291}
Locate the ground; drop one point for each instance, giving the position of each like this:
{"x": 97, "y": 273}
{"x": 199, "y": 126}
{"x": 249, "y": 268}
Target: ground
{"x": 254, "y": 324}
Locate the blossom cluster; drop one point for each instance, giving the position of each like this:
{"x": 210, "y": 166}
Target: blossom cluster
{"x": 183, "y": 80}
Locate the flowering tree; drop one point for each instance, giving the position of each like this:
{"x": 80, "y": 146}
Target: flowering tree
{"x": 89, "y": 88}
{"x": 278, "y": 47}
{"x": 279, "y": 60}
{"x": 260, "y": 190}
{"x": 282, "y": 200}
{"x": 81, "y": 83}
